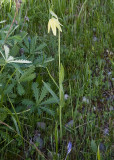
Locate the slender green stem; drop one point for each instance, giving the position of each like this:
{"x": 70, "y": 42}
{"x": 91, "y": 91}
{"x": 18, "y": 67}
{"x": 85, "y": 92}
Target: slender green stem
{"x": 56, "y": 137}
{"x": 52, "y": 78}
{"x": 60, "y": 107}
{"x": 10, "y": 78}
{"x": 2, "y": 69}
{"x": 59, "y": 50}
{"x": 60, "y": 122}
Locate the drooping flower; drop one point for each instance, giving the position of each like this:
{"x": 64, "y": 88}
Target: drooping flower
{"x": 54, "y": 24}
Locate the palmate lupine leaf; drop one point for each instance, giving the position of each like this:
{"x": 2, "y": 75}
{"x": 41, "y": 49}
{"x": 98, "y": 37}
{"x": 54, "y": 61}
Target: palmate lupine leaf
{"x": 39, "y": 102}
{"x": 10, "y": 59}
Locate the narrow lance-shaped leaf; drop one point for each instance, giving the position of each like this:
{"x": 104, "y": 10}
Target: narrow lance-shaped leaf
{"x": 61, "y": 74}
{"x": 51, "y": 92}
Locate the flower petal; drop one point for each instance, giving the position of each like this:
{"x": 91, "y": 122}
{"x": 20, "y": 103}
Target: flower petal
{"x": 58, "y": 26}
{"x": 53, "y": 26}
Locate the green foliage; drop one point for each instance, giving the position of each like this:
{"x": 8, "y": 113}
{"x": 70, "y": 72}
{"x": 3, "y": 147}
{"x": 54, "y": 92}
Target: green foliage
{"x": 41, "y": 100}
{"x": 94, "y": 146}
{"x": 87, "y": 57}
{"x": 28, "y": 75}
{"x": 51, "y": 92}
{"x": 3, "y": 114}
{"x": 20, "y": 89}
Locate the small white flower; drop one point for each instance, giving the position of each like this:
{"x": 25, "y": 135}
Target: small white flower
{"x": 106, "y": 131}
{"x": 66, "y": 96}
{"x": 109, "y": 73}
{"x": 85, "y": 100}
{"x": 95, "y": 39}
{"x": 94, "y": 108}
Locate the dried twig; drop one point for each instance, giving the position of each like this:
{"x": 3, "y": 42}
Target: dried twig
{"x": 18, "y": 5}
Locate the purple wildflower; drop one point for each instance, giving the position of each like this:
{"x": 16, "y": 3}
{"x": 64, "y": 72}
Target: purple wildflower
{"x": 29, "y": 39}
{"x": 26, "y": 18}
{"x": 69, "y": 148}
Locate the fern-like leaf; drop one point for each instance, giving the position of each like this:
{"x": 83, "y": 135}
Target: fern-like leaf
{"x": 9, "y": 89}
{"x": 27, "y": 102}
{"x": 28, "y": 75}
{"x": 35, "y": 91}
{"x": 43, "y": 94}
{"x": 51, "y": 92}
{"x": 20, "y": 89}
{"x": 48, "y": 111}
{"x": 49, "y": 101}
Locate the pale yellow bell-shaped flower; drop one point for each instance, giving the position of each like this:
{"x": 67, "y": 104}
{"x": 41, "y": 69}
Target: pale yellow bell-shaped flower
{"x": 53, "y": 24}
